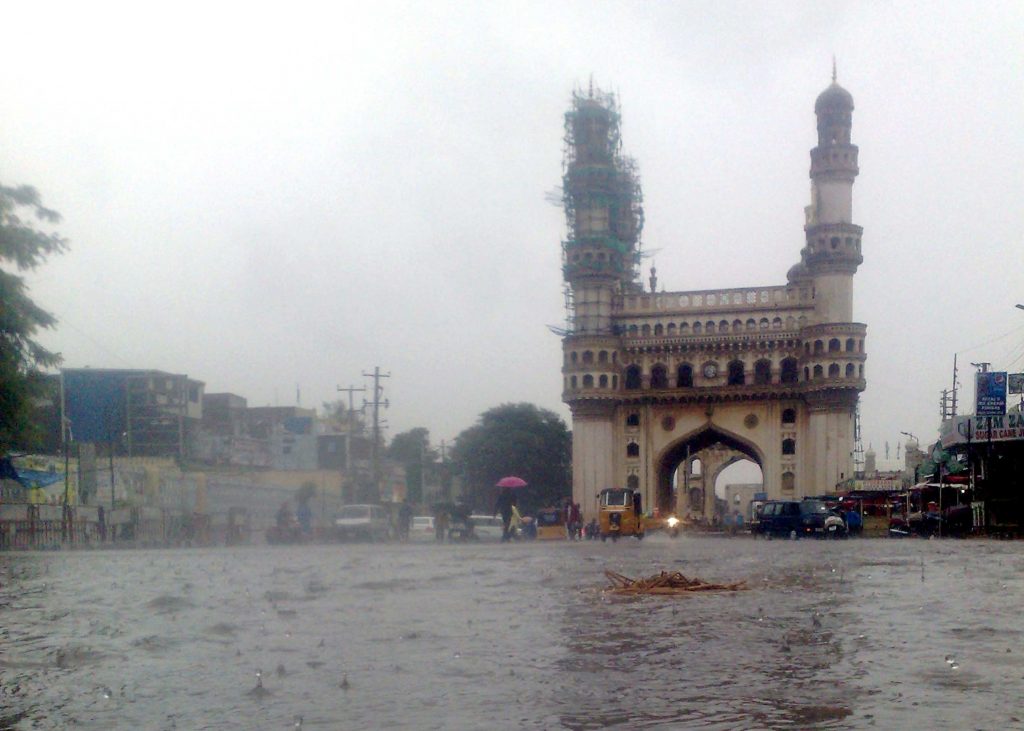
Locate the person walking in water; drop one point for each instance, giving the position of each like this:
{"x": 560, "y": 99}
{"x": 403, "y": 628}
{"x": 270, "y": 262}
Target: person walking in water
{"x": 504, "y": 504}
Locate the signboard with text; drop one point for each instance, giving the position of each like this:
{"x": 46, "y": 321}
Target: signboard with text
{"x": 961, "y": 429}
{"x": 990, "y": 393}
{"x": 1016, "y": 383}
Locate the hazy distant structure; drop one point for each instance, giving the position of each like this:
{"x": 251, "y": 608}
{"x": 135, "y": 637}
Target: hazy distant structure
{"x": 659, "y": 380}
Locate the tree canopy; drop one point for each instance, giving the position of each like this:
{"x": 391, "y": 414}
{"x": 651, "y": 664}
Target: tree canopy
{"x": 521, "y": 440}
{"x": 412, "y": 450}
{"x": 23, "y": 247}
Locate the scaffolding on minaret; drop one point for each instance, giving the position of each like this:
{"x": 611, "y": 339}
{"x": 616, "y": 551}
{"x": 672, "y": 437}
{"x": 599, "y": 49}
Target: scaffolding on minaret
{"x": 601, "y": 196}
{"x": 858, "y": 444}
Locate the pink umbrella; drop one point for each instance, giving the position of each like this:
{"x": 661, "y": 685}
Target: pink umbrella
{"x": 511, "y": 481}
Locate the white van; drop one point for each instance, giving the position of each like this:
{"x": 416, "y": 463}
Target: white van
{"x": 362, "y": 522}
{"x": 487, "y": 527}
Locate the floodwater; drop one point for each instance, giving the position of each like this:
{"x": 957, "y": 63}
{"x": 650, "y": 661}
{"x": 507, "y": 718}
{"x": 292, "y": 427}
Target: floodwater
{"x": 849, "y": 634}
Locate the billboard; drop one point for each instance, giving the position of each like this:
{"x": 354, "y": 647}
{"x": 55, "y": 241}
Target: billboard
{"x": 94, "y": 403}
{"x": 990, "y": 393}
{"x": 1015, "y": 382}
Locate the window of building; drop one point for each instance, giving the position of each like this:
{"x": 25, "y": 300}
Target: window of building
{"x": 572, "y": 381}
{"x": 632, "y": 449}
{"x": 850, "y": 345}
{"x": 789, "y": 372}
{"x": 833, "y": 370}
{"x": 736, "y": 374}
{"x": 633, "y": 482}
{"x": 819, "y": 347}
{"x": 833, "y": 345}
{"x": 633, "y": 379}
{"x": 850, "y": 370}
{"x": 789, "y": 446}
{"x": 588, "y": 356}
{"x": 789, "y": 416}
{"x": 788, "y": 482}
{"x": 603, "y": 381}
{"x": 588, "y": 381}
{"x": 737, "y": 326}
{"x": 762, "y": 372}
{"x": 818, "y": 371}
{"x": 633, "y": 419}
{"x": 659, "y": 330}
{"x": 684, "y": 376}
{"x": 659, "y": 376}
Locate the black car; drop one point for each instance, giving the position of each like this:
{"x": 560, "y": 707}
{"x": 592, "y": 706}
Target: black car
{"x": 793, "y": 518}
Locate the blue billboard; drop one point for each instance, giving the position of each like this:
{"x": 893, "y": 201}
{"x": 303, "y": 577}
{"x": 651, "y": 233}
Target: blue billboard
{"x": 94, "y": 403}
{"x": 990, "y": 393}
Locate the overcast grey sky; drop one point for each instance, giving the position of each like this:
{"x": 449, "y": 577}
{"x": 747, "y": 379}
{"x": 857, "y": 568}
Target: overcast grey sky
{"x": 265, "y": 195}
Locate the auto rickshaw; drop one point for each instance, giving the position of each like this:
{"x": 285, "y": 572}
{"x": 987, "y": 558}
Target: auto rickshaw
{"x": 550, "y": 524}
{"x": 620, "y": 513}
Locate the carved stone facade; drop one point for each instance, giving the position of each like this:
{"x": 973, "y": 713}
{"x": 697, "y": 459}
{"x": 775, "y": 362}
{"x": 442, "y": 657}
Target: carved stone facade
{"x": 657, "y": 379}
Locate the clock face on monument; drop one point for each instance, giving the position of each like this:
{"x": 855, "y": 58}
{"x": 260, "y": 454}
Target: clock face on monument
{"x": 710, "y": 370}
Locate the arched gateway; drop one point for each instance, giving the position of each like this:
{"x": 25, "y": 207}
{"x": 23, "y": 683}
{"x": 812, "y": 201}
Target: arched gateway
{"x": 656, "y": 379}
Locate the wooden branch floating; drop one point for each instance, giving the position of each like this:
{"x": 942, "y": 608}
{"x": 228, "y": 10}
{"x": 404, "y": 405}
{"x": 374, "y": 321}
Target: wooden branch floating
{"x": 665, "y": 583}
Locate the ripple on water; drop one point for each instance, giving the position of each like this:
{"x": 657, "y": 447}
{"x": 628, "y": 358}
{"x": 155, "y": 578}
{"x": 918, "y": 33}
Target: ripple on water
{"x": 169, "y": 603}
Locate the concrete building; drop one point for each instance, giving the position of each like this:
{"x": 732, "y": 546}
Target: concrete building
{"x": 656, "y": 379}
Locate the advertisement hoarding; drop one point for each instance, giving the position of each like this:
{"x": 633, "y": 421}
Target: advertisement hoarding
{"x": 990, "y": 393}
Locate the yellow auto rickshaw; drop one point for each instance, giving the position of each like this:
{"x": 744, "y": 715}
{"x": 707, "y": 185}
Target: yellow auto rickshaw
{"x": 620, "y": 513}
{"x": 550, "y": 525}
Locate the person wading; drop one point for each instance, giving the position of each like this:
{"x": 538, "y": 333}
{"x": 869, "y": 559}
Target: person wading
{"x": 504, "y": 504}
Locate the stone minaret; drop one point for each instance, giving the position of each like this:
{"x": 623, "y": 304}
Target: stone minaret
{"x": 600, "y": 261}
{"x": 834, "y": 344}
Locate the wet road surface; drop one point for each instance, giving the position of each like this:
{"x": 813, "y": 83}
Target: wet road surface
{"x": 850, "y": 634}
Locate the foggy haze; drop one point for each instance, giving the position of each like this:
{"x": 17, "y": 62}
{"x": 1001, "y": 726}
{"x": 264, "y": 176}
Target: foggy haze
{"x": 270, "y": 198}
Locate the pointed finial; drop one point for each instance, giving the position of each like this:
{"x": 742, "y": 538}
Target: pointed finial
{"x": 833, "y": 68}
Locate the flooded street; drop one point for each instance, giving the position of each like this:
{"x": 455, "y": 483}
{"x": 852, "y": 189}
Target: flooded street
{"x": 851, "y": 634}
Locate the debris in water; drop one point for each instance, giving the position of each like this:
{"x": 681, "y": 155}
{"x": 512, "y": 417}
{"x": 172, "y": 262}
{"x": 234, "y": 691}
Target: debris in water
{"x": 665, "y": 583}
{"x": 259, "y": 691}
{"x": 344, "y": 682}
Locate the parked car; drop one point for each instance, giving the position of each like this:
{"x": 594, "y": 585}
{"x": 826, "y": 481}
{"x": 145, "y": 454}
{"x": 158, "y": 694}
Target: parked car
{"x": 422, "y": 528}
{"x": 487, "y": 527}
{"x": 362, "y": 522}
{"x": 794, "y": 518}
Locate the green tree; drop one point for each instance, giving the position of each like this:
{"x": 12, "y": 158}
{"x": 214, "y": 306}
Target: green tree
{"x": 412, "y": 450}
{"x": 516, "y": 439}
{"x": 23, "y": 247}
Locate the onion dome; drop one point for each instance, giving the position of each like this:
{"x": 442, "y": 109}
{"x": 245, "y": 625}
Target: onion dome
{"x": 834, "y": 98}
{"x": 798, "y": 272}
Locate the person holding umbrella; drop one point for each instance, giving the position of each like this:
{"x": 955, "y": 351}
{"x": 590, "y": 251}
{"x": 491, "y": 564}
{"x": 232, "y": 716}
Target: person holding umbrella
{"x": 505, "y": 504}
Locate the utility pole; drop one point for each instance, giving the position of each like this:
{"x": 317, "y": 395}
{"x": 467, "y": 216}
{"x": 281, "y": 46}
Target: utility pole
{"x": 378, "y": 391}
{"x": 955, "y": 387}
{"x": 351, "y": 426}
